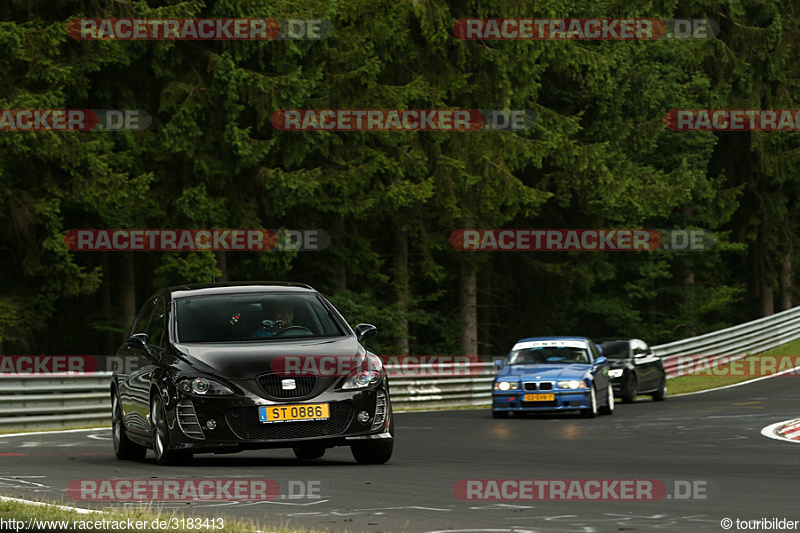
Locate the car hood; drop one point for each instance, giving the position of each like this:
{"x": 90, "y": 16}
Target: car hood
{"x": 547, "y": 372}
{"x": 245, "y": 360}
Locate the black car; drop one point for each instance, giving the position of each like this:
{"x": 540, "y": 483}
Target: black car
{"x": 214, "y": 377}
{"x": 634, "y": 369}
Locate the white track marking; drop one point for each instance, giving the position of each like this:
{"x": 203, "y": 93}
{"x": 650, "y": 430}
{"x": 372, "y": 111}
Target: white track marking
{"x": 56, "y": 432}
{"x": 769, "y": 431}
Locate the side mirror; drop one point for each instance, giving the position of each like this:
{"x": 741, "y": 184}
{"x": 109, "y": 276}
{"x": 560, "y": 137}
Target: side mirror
{"x": 364, "y": 331}
{"x": 640, "y": 354}
{"x": 600, "y": 360}
{"x": 499, "y": 363}
{"x": 137, "y": 341}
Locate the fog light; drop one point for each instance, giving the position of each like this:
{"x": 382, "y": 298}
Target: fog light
{"x": 363, "y": 416}
{"x": 211, "y": 424}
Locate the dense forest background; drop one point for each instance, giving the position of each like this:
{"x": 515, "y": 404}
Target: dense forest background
{"x": 600, "y": 157}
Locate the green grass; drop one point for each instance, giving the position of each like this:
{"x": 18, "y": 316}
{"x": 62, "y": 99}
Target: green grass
{"x": 707, "y": 380}
{"x": 26, "y": 511}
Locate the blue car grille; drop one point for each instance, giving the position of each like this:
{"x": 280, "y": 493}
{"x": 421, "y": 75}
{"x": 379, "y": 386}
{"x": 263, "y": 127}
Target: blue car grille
{"x": 538, "y": 385}
{"x": 245, "y": 424}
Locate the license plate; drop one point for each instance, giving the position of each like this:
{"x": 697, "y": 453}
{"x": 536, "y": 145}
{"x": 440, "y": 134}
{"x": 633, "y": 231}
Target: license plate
{"x": 292, "y": 413}
{"x": 540, "y": 397}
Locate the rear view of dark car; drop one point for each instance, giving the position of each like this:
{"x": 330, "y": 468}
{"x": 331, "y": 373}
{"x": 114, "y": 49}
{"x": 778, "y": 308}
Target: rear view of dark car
{"x": 634, "y": 369}
{"x": 223, "y": 369}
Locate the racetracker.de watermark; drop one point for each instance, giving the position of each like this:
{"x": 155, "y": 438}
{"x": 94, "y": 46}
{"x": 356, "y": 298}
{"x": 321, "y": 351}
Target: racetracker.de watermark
{"x": 190, "y": 240}
{"x": 461, "y": 120}
{"x": 737, "y": 365}
{"x": 199, "y": 29}
{"x": 74, "y": 119}
{"x": 168, "y": 490}
{"x": 394, "y": 365}
{"x": 733, "y": 119}
{"x": 586, "y": 240}
{"x": 581, "y": 29}
{"x": 578, "y": 489}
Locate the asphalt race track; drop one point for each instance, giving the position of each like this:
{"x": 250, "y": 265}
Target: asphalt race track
{"x": 712, "y": 438}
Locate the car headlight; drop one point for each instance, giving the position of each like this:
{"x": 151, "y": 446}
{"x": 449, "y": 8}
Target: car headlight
{"x": 571, "y": 384}
{"x": 506, "y": 385}
{"x": 203, "y": 386}
{"x": 362, "y": 380}
{"x": 365, "y": 375}
{"x": 615, "y": 373}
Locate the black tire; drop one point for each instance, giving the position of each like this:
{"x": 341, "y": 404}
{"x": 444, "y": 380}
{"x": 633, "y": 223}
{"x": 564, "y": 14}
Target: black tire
{"x": 161, "y": 443}
{"x": 608, "y": 408}
{"x": 124, "y": 448}
{"x": 308, "y": 452}
{"x": 591, "y": 411}
{"x": 631, "y": 388}
{"x": 499, "y": 414}
{"x": 374, "y": 451}
{"x": 661, "y": 394}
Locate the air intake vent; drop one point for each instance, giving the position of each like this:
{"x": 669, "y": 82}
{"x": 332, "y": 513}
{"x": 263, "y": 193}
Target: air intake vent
{"x": 380, "y": 411}
{"x": 187, "y": 420}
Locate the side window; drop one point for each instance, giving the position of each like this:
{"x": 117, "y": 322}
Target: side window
{"x": 143, "y": 318}
{"x": 595, "y": 352}
{"x": 155, "y": 331}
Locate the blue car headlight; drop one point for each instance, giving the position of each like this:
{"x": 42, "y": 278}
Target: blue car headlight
{"x": 203, "y": 387}
{"x": 572, "y": 384}
{"x": 506, "y": 385}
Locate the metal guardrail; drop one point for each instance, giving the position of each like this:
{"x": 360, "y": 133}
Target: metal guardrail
{"x": 34, "y": 402}
{"x": 46, "y": 401}
{"x": 731, "y": 343}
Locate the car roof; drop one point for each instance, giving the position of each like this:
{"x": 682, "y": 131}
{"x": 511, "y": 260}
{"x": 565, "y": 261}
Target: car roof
{"x": 562, "y": 338}
{"x": 203, "y": 289}
{"x": 614, "y": 339}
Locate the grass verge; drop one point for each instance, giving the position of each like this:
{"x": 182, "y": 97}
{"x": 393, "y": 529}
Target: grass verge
{"x": 738, "y": 371}
{"x": 52, "y": 517}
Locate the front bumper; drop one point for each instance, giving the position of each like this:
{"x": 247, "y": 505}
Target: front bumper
{"x": 238, "y": 426}
{"x": 514, "y": 401}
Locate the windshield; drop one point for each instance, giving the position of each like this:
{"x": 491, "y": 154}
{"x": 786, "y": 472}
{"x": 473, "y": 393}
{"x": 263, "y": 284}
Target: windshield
{"x": 548, "y": 355}
{"x": 615, "y": 349}
{"x": 252, "y": 317}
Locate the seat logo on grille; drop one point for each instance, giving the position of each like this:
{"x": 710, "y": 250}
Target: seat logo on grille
{"x": 288, "y": 384}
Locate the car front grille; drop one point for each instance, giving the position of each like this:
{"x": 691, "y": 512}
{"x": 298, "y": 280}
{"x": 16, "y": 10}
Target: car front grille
{"x": 534, "y": 385}
{"x": 273, "y": 386}
{"x": 245, "y": 424}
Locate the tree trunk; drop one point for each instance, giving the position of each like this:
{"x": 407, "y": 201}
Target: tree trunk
{"x": 127, "y": 289}
{"x": 109, "y": 340}
{"x": 786, "y": 280}
{"x": 767, "y": 299}
{"x": 689, "y": 299}
{"x": 468, "y": 299}
{"x": 401, "y": 286}
{"x": 222, "y": 263}
{"x": 341, "y": 266}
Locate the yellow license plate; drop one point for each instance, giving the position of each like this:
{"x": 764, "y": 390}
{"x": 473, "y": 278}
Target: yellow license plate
{"x": 540, "y": 397}
{"x": 289, "y": 413}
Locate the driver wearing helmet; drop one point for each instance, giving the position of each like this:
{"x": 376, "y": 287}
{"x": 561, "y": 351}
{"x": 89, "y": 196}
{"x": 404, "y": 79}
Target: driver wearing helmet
{"x": 278, "y": 315}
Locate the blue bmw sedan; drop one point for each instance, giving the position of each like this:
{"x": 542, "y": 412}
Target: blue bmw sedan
{"x": 550, "y": 374}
